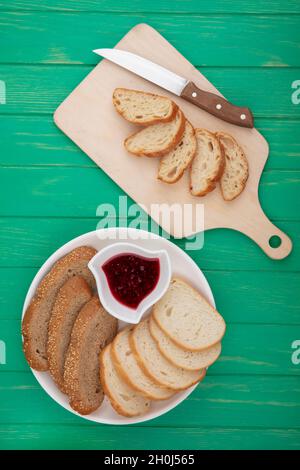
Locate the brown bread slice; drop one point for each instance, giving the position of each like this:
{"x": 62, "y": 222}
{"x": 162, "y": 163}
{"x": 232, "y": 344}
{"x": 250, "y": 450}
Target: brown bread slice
{"x": 208, "y": 163}
{"x": 94, "y": 328}
{"x": 236, "y": 171}
{"x": 143, "y": 108}
{"x": 70, "y": 299}
{"x": 172, "y": 165}
{"x": 157, "y": 140}
{"x": 36, "y": 319}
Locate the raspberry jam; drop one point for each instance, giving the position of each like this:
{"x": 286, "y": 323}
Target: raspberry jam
{"x": 131, "y": 277}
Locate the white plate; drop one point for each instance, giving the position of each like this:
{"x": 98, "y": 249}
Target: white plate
{"x": 182, "y": 265}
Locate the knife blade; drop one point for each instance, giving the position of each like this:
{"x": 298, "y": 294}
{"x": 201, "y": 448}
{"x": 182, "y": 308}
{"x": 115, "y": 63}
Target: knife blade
{"x": 180, "y": 86}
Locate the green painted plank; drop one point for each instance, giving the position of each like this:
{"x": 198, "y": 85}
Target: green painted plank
{"x": 112, "y": 438}
{"x": 247, "y": 349}
{"x": 28, "y": 242}
{"x": 36, "y": 141}
{"x": 39, "y": 191}
{"x": 230, "y": 288}
{"x": 217, "y": 401}
{"x": 40, "y": 89}
{"x": 176, "y": 6}
{"x": 221, "y": 39}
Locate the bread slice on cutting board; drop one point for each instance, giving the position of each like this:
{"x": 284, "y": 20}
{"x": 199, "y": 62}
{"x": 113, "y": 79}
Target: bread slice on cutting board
{"x": 124, "y": 399}
{"x": 140, "y": 107}
{"x": 157, "y": 140}
{"x": 129, "y": 369}
{"x": 155, "y": 365}
{"x": 190, "y": 360}
{"x": 94, "y": 328}
{"x": 236, "y": 170}
{"x": 71, "y": 297}
{"x": 187, "y": 318}
{"x": 172, "y": 165}
{"x": 208, "y": 163}
{"x": 36, "y": 319}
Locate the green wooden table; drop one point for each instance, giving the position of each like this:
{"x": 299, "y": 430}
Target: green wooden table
{"x": 50, "y": 191}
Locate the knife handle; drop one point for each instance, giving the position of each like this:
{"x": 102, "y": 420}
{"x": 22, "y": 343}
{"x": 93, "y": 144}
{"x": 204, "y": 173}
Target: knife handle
{"x": 218, "y": 106}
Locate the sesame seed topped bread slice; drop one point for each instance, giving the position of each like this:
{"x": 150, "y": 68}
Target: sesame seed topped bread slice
{"x": 155, "y": 365}
{"x": 236, "y": 171}
{"x": 190, "y": 360}
{"x": 70, "y": 299}
{"x": 37, "y": 316}
{"x": 124, "y": 399}
{"x": 94, "y": 328}
{"x": 129, "y": 369}
{"x": 208, "y": 163}
{"x": 143, "y": 108}
{"x": 187, "y": 318}
{"x": 173, "y": 164}
{"x": 157, "y": 140}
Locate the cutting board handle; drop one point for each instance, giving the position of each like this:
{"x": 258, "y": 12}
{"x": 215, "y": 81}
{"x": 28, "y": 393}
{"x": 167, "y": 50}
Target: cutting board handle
{"x": 275, "y": 243}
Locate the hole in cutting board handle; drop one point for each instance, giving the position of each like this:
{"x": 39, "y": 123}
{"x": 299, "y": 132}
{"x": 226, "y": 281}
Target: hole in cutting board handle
{"x": 275, "y": 241}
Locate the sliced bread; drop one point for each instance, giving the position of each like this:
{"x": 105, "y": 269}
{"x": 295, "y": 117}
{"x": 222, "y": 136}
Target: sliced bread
{"x": 94, "y": 328}
{"x": 124, "y": 399}
{"x": 155, "y": 365}
{"x": 157, "y": 140}
{"x": 37, "y": 316}
{"x": 187, "y": 318}
{"x": 190, "y": 360}
{"x": 70, "y": 299}
{"x": 129, "y": 369}
{"x": 208, "y": 163}
{"x": 173, "y": 164}
{"x": 143, "y": 108}
{"x": 236, "y": 171}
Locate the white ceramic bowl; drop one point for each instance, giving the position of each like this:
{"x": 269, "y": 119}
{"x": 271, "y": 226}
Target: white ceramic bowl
{"x": 109, "y": 302}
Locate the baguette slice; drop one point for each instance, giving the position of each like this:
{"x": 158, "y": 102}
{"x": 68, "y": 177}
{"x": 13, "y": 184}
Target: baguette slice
{"x": 157, "y": 140}
{"x": 236, "y": 171}
{"x": 94, "y": 328}
{"x": 155, "y": 365}
{"x": 189, "y": 360}
{"x": 143, "y": 108}
{"x": 70, "y": 299}
{"x": 37, "y": 316}
{"x": 129, "y": 369}
{"x": 187, "y": 318}
{"x": 208, "y": 163}
{"x": 172, "y": 165}
{"x": 124, "y": 399}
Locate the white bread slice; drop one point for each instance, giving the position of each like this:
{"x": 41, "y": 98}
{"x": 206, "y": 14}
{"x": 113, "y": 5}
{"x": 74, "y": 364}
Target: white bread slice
{"x": 173, "y": 164}
{"x": 157, "y": 140}
{"x": 143, "y": 108}
{"x": 187, "y": 318}
{"x": 155, "y": 365}
{"x": 124, "y": 399}
{"x": 129, "y": 369}
{"x": 208, "y": 163}
{"x": 189, "y": 360}
{"x": 236, "y": 171}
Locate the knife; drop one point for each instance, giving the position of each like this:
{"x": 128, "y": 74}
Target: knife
{"x": 186, "y": 89}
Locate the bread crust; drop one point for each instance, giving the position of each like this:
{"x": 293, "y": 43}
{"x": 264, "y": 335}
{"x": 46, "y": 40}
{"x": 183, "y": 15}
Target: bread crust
{"x": 243, "y": 182}
{"x": 176, "y": 139}
{"x": 173, "y": 338}
{"x": 57, "y": 275}
{"x": 212, "y": 183}
{"x": 170, "y": 117}
{"x": 127, "y": 378}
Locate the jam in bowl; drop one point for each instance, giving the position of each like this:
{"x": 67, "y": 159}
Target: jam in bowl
{"x": 130, "y": 279}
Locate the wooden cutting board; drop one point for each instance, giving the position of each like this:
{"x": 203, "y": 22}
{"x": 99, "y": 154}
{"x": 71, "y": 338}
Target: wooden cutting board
{"x": 88, "y": 117}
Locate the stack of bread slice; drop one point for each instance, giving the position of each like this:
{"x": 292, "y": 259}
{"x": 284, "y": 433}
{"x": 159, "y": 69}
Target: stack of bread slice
{"x": 164, "y": 354}
{"x": 212, "y": 157}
